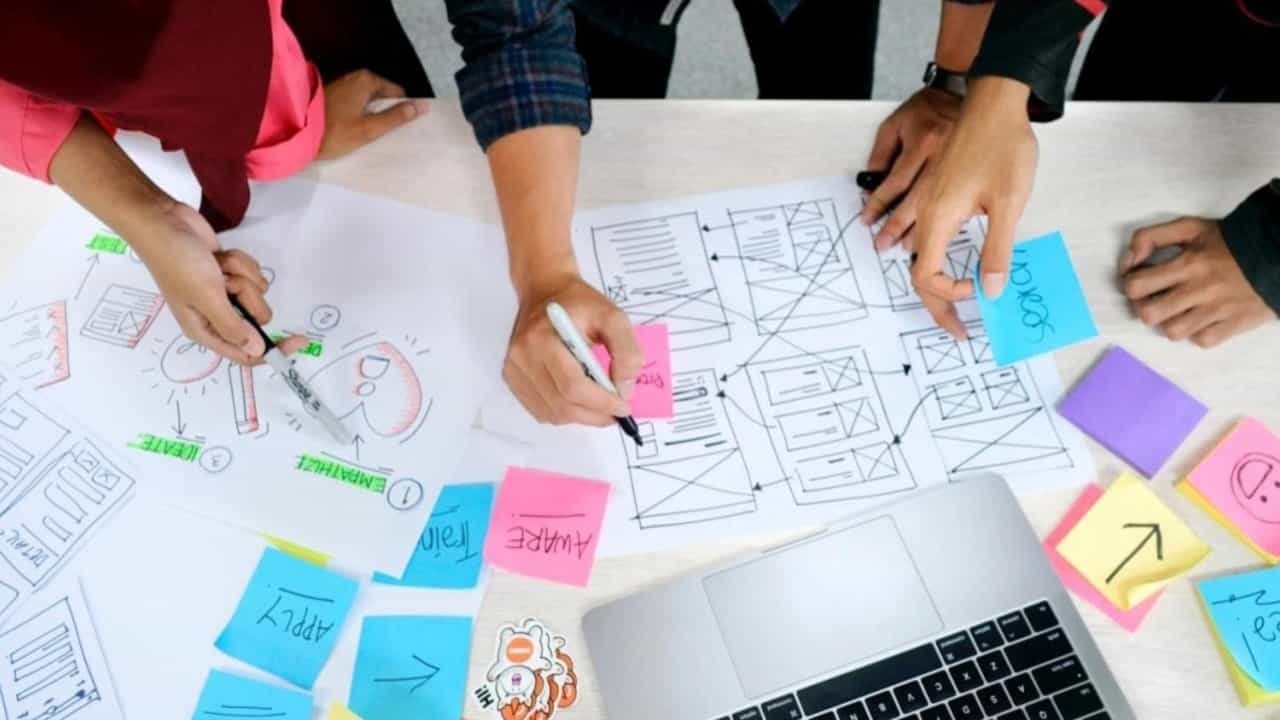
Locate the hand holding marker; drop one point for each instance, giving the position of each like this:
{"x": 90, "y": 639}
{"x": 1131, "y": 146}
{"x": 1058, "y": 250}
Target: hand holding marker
{"x": 581, "y": 350}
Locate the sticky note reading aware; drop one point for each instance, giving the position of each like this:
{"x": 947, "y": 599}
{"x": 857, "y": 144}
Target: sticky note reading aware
{"x": 448, "y": 554}
{"x": 652, "y": 397}
{"x": 289, "y": 617}
{"x": 547, "y": 525}
{"x": 409, "y": 668}
{"x": 1238, "y": 484}
{"x": 231, "y": 696}
{"x": 1130, "y": 544}
{"x": 1043, "y": 306}
{"x": 1075, "y": 582}
{"x": 1244, "y": 611}
{"x": 1132, "y": 410}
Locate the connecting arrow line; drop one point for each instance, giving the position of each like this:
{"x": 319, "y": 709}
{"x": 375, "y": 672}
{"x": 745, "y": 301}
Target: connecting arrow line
{"x": 94, "y": 259}
{"x": 421, "y": 680}
{"x": 713, "y": 228}
{"x": 180, "y": 427}
{"x": 715, "y": 257}
{"x": 1153, "y": 531}
{"x": 758, "y": 487}
{"x": 358, "y": 442}
{"x": 897, "y": 437}
{"x": 724, "y": 396}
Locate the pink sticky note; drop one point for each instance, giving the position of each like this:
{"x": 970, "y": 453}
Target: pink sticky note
{"x": 652, "y": 397}
{"x": 1241, "y": 478}
{"x": 547, "y": 525}
{"x": 1075, "y": 582}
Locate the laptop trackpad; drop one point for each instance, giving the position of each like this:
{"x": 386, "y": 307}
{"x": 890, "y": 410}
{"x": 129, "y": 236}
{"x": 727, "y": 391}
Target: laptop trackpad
{"x": 821, "y": 606}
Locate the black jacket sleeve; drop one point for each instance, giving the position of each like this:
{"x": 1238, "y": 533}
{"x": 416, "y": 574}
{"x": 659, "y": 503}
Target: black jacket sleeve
{"x": 1252, "y": 232}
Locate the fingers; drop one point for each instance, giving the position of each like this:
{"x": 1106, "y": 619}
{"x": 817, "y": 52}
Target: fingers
{"x": 899, "y": 180}
{"x": 292, "y": 344}
{"x": 241, "y": 264}
{"x": 897, "y": 228}
{"x": 1191, "y": 322}
{"x": 938, "y": 292}
{"x": 227, "y": 323}
{"x": 1156, "y": 310}
{"x": 527, "y": 393}
{"x": 1146, "y": 240}
{"x": 1149, "y": 281}
{"x": 384, "y": 88}
{"x": 195, "y": 327}
{"x": 250, "y": 298}
{"x": 1216, "y": 333}
{"x": 997, "y": 251}
{"x": 885, "y": 145}
{"x": 375, "y": 125}
{"x": 625, "y": 356}
{"x": 577, "y": 391}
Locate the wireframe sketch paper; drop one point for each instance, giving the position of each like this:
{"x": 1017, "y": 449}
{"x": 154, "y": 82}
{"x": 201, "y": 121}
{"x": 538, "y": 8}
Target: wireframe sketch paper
{"x": 232, "y": 696}
{"x": 1242, "y": 611}
{"x": 652, "y": 396}
{"x": 547, "y": 525}
{"x": 411, "y": 667}
{"x": 348, "y": 271}
{"x": 808, "y": 381}
{"x": 1238, "y": 484}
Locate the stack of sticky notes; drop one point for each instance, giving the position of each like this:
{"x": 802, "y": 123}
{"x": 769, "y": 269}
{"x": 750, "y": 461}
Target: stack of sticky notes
{"x": 1242, "y": 611}
{"x": 1118, "y": 548}
{"x": 1238, "y": 484}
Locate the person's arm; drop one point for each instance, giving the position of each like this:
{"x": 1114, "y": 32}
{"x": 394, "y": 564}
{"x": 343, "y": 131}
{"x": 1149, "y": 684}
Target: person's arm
{"x": 524, "y": 90}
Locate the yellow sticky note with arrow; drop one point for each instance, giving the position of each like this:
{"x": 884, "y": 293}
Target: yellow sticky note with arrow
{"x": 1130, "y": 544}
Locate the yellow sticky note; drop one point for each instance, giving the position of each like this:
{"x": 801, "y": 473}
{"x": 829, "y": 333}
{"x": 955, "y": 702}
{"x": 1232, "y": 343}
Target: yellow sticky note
{"x": 1130, "y": 545}
{"x": 299, "y": 551}
{"x": 338, "y": 711}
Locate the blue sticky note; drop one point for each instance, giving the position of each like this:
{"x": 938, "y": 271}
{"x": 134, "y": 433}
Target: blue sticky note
{"x": 411, "y": 667}
{"x": 1245, "y": 611}
{"x": 231, "y": 696}
{"x": 450, "y": 551}
{"x": 289, "y": 617}
{"x": 1043, "y": 306}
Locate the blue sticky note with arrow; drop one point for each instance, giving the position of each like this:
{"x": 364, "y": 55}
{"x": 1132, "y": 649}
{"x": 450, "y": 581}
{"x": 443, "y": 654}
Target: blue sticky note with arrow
{"x": 231, "y": 696}
{"x": 1245, "y": 612}
{"x": 449, "y": 554}
{"x": 289, "y": 617}
{"x": 1043, "y": 307}
{"x": 411, "y": 667}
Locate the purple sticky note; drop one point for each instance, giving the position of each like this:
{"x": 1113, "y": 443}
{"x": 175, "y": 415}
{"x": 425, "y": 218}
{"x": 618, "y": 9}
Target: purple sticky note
{"x": 1132, "y": 410}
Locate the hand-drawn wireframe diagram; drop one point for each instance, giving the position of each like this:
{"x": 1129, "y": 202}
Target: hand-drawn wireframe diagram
{"x": 656, "y": 270}
{"x": 34, "y": 343}
{"x": 982, "y": 417}
{"x": 829, "y": 426}
{"x": 122, "y": 316}
{"x": 27, "y": 437}
{"x": 690, "y": 468}
{"x": 799, "y": 273}
{"x": 962, "y": 257}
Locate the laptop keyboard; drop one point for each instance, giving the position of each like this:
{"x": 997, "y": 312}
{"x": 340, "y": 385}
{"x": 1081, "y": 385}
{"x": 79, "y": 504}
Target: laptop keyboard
{"x": 1019, "y": 666}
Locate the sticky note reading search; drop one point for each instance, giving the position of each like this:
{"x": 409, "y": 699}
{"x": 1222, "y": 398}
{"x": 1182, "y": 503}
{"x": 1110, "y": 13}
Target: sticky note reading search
{"x": 448, "y": 554}
{"x": 1043, "y": 306}
{"x": 228, "y": 696}
{"x": 652, "y": 397}
{"x": 409, "y": 668}
{"x": 1132, "y": 410}
{"x": 547, "y": 525}
{"x": 289, "y": 617}
{"x": 1238, "y": 484}
{"x": 1244, "y": 611}
{"x": 1130, "y": 544}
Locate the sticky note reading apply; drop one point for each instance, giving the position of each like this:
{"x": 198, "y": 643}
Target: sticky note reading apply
{"x": 1240, "y": 480}
{"x": 1043, "y": 306}
{"x": 289, "y": 617}
{"x": 1132, "y": 410}
{"x": 231, "y": 696}
{"x": 408, "y": 668}
{"x": 1130, "y": 544}
{"x": 448, "y": 554}
{"x": 652, "y": 398}
{"x": 1245, "y": 612}
{"x": 547, "y": 525}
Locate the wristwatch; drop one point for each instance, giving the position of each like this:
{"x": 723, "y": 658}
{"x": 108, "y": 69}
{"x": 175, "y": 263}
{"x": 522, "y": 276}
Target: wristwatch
{"x": 936, "y": 76}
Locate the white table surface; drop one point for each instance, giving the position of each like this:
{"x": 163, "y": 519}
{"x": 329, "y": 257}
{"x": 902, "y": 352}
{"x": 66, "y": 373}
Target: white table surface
{"x": 1104, "y": 170}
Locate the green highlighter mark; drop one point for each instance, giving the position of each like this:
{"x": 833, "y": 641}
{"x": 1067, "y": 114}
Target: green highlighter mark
{"x": 312, "y": 348}
{"x": 342, "y": 473}
{"x": 107, "y": 243}
{"x": 178, "y": 449}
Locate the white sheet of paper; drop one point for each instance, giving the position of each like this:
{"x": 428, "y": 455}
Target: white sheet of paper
{"x": 789, "y": 339}
{"x": 410, "y": 310}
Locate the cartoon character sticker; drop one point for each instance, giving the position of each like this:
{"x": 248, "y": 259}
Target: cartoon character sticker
{"x": 532, "y": 677}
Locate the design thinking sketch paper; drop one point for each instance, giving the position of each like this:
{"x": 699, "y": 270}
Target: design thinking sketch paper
{"x": 357, "y": 276}
{"x": 790, "y": 342}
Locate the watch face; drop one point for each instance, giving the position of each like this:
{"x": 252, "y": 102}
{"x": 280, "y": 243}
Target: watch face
{"x": 930, "y": 72}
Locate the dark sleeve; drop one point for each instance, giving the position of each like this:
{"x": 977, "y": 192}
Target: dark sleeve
{"x": 1033, "y": 42}
{"x": 1252, "y": 232}
{"x": 522, "y": 68}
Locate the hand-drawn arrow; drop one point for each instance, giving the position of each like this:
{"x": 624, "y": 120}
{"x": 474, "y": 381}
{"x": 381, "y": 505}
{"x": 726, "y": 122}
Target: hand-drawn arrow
{"x": 421, "y": 680}
{"x": 358, "y": 442}
{"x": 724, "y": 396}
{"x": 1153, "y": 531}
{"x": 94, "y": 259}
{"x": 759, "y": 487}
{"x": 713, "y": 228}
{"x": 897, "y": 436}
{"x": 180, "y": 427}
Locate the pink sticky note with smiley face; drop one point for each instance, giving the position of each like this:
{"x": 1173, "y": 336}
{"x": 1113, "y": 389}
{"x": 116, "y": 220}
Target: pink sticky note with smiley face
{"x": 547, "y": 525}
{"x": 652, "y": 397}
{"x": 1241, "y": 478}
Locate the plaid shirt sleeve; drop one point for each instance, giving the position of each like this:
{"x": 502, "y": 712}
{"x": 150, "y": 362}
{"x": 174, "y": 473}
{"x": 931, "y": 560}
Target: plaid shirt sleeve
{"x": 521, "y": 68}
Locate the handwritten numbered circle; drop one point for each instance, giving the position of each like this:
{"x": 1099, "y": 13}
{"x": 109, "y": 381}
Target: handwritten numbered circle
{"x": 325, "y": 318}
{"x": 215, "y": 459}
{"x": 405, "y": 494}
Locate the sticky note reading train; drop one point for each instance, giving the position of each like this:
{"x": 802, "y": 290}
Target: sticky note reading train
{"x": 1130, "y": 544}
{"x": 652, "y": 398}
{"x": 1238, "y": 484}
{"x": 1244, "y": 611}
{"x": 231, "y": 696}
{"x": 1043, "y": 306}
{"x": 448, "y": 552}
{"x": 547, "y": 525}
{"x": 289, "y": 617}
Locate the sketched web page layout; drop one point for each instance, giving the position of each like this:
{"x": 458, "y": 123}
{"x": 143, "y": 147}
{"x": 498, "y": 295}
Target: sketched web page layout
{"x": 808, "y": 380}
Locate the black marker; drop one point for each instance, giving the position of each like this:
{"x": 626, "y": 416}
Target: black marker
{"x": 869, "y": 180}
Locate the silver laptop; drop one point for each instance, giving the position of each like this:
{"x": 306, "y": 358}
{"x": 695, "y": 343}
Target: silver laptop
{"x": 941, "y": 606}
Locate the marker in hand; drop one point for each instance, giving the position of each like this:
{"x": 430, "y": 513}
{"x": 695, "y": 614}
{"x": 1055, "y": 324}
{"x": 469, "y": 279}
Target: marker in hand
{"x": 581, "y": 351}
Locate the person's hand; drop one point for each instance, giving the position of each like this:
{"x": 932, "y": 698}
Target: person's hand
{"x": 906, "y": 144}
{"x": 543, "y": 374}
{"x": 195, "y": 276}
{"x": 988, "y": 166}
{"x": 1201, "y": 294}
{"x": 348, "y": 123}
